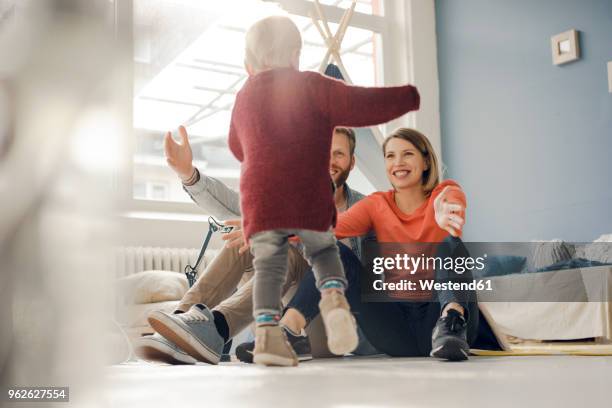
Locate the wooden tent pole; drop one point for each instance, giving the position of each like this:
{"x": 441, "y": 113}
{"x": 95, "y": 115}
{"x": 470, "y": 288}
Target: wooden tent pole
{"x": 346, "y": 17}
{"x": 333, "y": 47}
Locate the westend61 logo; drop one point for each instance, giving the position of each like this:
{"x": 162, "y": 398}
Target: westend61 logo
{"x": 413, "y": 264}
{"x": 408, "y": 265}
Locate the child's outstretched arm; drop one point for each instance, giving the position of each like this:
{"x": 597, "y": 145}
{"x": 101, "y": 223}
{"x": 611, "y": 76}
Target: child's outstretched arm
{"x": 357, "y": 106}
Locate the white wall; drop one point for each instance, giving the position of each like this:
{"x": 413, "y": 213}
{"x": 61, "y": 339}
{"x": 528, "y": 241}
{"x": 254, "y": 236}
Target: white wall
{"x": 529, "y": 141}
{"x": 173, "y": 233}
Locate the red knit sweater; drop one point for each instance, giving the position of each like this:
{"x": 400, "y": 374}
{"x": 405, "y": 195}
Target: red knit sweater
{"x": 281, "y": 130}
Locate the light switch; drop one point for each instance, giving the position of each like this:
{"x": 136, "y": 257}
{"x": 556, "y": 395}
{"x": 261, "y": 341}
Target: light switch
{"x": 610, "y": 76}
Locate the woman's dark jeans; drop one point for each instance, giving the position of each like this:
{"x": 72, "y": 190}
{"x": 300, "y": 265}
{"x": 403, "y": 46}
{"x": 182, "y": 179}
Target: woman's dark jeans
{"x": 399, "y": 329}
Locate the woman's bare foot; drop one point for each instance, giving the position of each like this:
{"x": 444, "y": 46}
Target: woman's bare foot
{"x": 293, "y": 320}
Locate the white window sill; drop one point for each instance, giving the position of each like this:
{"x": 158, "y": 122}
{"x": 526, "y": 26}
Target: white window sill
{"x": 165, "y": 216}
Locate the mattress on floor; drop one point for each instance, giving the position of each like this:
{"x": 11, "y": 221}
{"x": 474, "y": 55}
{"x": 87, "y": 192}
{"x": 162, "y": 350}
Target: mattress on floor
{"x": 583, "y": 308}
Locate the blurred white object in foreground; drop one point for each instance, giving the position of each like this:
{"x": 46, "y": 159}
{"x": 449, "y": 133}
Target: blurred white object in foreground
{"x": 65, "y": 106}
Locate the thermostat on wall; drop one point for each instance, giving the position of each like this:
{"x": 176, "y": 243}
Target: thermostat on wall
{"x": 565, "y": 47}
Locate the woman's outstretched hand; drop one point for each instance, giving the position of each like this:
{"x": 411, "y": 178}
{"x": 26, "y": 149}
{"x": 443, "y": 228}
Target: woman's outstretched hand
{"x": 179, "y": 155}
{"x": 236, "y": 237}
{"x": 449, "y": 215}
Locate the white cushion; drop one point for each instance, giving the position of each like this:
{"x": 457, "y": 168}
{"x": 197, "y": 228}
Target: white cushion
{"x": 604, "y": 238}
{"x": 135, "y": 316}
{"x": 546, "y": 253}
{"x": 600, "y": 250}
{"x": 153, "y": 286}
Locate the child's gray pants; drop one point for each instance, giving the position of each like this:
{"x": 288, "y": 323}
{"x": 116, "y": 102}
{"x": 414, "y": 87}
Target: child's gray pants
{"x": 269, "y": 249}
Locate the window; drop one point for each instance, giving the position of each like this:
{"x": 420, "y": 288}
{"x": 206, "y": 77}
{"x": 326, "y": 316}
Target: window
{"x": 363, "y": 6}
{"x": 189, "y": 66}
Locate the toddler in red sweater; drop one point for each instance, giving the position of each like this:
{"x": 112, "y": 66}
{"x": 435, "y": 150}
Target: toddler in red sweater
{"x": 281, "y": 131}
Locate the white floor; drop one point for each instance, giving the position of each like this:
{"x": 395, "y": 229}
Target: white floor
{"x": 370, "y": 382}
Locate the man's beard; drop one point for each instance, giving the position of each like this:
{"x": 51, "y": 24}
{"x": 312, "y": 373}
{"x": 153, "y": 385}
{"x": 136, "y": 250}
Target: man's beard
{"x": 342, "y": 176}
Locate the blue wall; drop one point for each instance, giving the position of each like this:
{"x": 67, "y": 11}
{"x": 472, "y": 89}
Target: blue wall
{"x": 530, "y": 142}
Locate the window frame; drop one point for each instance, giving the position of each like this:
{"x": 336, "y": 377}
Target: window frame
{"x": 400, "y": 21}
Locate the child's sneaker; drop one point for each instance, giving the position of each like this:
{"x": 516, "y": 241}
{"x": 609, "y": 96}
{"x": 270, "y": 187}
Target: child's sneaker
{"x": 272, "y": 347}
{"x": 339, "y": 323}
{"x": 298, "y": 341}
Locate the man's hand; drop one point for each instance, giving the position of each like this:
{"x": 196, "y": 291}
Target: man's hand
{"x": 236, "y": 237}
{"x": 179, "y": 155}
{"x": 449, "y": 216}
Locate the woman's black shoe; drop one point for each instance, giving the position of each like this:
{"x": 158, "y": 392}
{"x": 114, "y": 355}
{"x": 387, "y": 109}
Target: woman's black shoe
{"x": 449, "y": 338}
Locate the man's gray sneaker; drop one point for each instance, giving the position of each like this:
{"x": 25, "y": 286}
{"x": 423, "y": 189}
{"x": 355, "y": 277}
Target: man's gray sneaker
{"x": 193, "y": 331}
{"x": 449, "y": 338}
{"x": 158, "y": 348}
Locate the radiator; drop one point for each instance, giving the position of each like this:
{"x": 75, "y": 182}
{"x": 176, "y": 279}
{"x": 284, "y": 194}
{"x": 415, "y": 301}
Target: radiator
{"x": 130, "y": 260}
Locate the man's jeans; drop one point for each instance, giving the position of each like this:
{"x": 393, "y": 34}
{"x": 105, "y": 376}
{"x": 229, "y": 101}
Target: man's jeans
{"x": 269, "y": 249}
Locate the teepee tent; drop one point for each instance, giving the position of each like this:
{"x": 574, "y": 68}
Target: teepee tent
{"x": 369, "y": 140}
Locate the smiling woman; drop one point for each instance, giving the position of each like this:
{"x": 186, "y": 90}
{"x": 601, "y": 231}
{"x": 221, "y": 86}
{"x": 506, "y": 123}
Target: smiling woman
{"x": 419, "y": 209}
{"x": 409, "y": 160}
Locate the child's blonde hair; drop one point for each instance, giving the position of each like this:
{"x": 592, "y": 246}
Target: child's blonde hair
{"x": 272, "y": 43}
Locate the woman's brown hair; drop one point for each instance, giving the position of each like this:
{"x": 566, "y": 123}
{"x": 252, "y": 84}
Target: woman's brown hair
{"x": 431, "y": 176}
